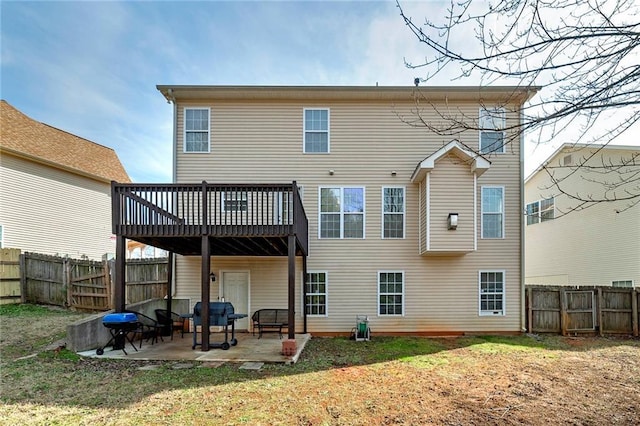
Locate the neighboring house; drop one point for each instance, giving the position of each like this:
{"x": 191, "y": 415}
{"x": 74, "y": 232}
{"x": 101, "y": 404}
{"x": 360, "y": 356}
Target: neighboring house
{"x": 137, "y": 250}
{"x": 376, "y": 217}
{"x": 568, "y": 243}
{"x": 55, "y": 189}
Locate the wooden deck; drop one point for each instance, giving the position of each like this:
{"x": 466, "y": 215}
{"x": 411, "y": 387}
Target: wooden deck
{"x": 239, "y": 219}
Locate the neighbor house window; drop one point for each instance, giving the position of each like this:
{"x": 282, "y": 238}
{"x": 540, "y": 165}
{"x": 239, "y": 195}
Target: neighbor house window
{"x": 316, "y": 293}
{"x": 540, "y": 211}
{"x": 1, "y": 237}
{"x": 390, "y": 293}
{"x": 341, "y": 212}
{"x": 316, "y": 130}
{"x": 492, "y": 124}
{"x": 392, "y": 212}
{"x": 492, "y": 293}
{"x": 235, "y": 201}
{"x": 623, "y": 283}
{"x": 492, "y": 212}
{"x": 196, "y": 130}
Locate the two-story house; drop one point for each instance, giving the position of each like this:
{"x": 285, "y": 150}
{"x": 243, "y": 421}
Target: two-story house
{"x": 55, "y": 189}
{"x": 325, "y": 201}
{"x": 583, "y": 221}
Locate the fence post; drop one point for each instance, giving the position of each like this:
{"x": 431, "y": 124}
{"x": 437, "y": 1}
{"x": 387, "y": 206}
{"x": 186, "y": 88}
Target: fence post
{"x": 23, "y": 278}
{"x": 530, "y": 309}
{"x": 66, "y": 280}
{"x": 111, "y": 286}
{"x": 564, "y": 318}
{"x": 634, "y": 311}
{"x": 599, "y": 313}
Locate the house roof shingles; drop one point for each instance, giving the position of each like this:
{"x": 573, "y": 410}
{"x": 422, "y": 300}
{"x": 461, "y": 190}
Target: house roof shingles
{"x": 22, "y": 136}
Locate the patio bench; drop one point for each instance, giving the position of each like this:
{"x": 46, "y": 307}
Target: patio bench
{"x": 270, "y": 319}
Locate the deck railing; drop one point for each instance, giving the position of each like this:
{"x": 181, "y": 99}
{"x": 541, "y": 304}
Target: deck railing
{"x": 219, "y": 210}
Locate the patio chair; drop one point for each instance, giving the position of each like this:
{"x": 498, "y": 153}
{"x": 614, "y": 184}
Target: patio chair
{"x": 170, "y": 321}
{"x": 148, "y": 328}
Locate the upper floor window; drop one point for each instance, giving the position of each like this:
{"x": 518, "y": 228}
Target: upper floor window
{"x": 491, "y": 292}
{"x": 390, "y": 293}
{"x": 196, "y": 130}
{"x": 393, "y": 212}
{"x": 492, "y": 212}
{"x": 316, "y": 130}
{"x": 341, "y": 212}
{"x": 316, "y": 293}
{"x": 492, "y": 124}
{"x": 540, "y": 211}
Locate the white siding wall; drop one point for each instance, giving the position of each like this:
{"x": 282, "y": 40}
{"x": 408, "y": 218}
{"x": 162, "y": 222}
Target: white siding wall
{"x": 590, "y": 247}
{"x": 49, "y": 211}
{"x": 262, "y": 142}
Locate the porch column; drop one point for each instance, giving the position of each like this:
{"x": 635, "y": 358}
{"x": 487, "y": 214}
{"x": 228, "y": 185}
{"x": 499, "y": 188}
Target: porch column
{"x": 304, "y": 291}
{"x": 120, "y": 274}
{"x": 292, "y": 287}
{"x": 206, "y": 286}
{"x": 167, "y": 330}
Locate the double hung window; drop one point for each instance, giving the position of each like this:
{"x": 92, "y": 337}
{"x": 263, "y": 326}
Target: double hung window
{"x": 196, "y": 130}
{"x": 492, "y": 124}
{"x": 316, "y": 293}
{"x": 342, "y": 212}
{"x": 492, "y": 212}
{"x": 492, "y": 293}
{"x": 393, "y": 212}
{"x": 316, "y": 130}
{"x": 390, "y": 293}
{"x": 540, "y": 211}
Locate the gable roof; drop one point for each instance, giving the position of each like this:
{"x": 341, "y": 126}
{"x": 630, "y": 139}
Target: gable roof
{"x": 576, "y": 147}
{"x": 27, "y": 138}
{"x": 477, "y": 163}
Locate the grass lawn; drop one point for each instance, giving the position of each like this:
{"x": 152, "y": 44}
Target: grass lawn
{"x": 401, "y": 380}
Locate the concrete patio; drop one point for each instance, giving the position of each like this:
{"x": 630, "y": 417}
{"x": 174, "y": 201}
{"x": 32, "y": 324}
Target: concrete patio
{"x": 267, "y": 349}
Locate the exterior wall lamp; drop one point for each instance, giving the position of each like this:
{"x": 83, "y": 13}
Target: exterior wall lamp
{"x": 452, "y": 221}
{"x": 213, "y": 277}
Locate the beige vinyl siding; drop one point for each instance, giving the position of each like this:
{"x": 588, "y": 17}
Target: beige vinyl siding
{"x": 590, "y": 247}
{"x": 50, "y": 211}
{"x": 452, "y": 190}
{"x": 261, "y": 142}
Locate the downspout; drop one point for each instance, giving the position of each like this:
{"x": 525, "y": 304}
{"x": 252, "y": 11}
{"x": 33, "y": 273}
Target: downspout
{"x": 172, "y": 259}
{"x": 522, "y": 225}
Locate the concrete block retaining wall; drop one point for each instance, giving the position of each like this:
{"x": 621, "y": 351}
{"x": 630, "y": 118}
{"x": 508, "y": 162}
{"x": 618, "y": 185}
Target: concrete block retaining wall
{"x": 89, "y": 333}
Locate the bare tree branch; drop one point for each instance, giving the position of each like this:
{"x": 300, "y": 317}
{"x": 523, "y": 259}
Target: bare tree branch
{"x": 586, "y": 54}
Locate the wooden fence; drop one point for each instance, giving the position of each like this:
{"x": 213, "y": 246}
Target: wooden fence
{"x": 582, "y": 310}
{"x": 77, "y": 283}
{"x": 9, "y": 275}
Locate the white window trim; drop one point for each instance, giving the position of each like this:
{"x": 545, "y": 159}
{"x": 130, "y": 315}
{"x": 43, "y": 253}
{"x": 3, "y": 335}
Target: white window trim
{"x": 404, "y": 213}
{"x": 540, "y": 211}
{"x": 633, "y": 284}
{"x": 326, "y": 294}
{"x": 504, "y": 133}
{"x": 2, "y": 230}
{"x": 304, "y": 130}
{"x": 404, "y": 297}
{"x": 243, "y": 197}
{"x": 482, "y": 212}
{"x": 504, "y": 293}
{"x": 184, "y": 130}
{"x": 342, "y": 213}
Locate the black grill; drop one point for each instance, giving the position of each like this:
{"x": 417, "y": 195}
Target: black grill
{"x": 221, "y": 314}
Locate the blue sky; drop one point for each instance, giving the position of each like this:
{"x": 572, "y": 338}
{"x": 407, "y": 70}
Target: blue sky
{"x": 91, "y": 68}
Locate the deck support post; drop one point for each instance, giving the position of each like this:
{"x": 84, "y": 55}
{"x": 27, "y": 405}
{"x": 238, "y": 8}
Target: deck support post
{"x": 120, "y": 274}
{"x": 304, "y": 292}
{"x": 292, "y": 287}
{"x": 206, "y": 286}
